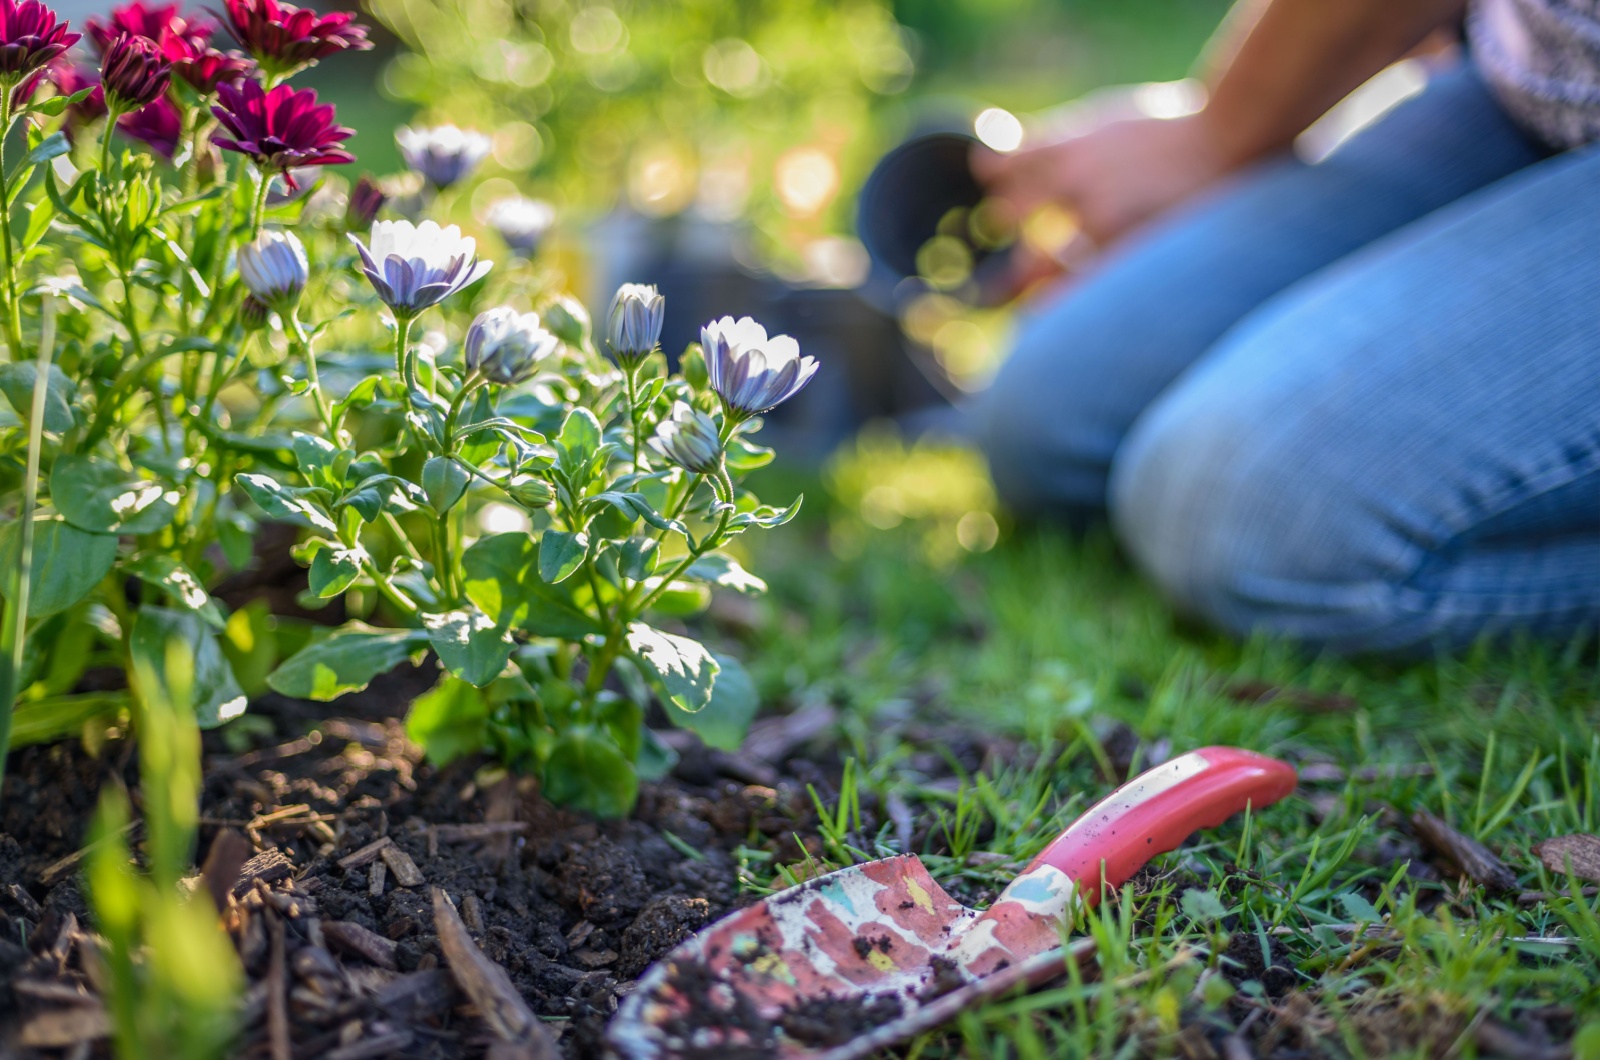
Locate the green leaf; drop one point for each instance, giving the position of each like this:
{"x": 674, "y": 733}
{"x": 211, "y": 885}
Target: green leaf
{"x": 635, "y": 506}
{"x": 48, "y": 720}
{"x": 100, "y": 497}
{"x": 449, "y": 720}
{"x": 637, "y": 557}
{"x": 1358, "y": 909}
{"x": 250, "y": 641}
{"x": 469, "y": 644}
{"x": 684, "y": 668}
{"x": 1198, "y": 904}
{"x": 734, "y": 701}
{"x": 561, "y": 554}
{"x": 334, "y": 569}
{"x": 214, "y": 692}
{"x": 53, "y": 146}
{"x": 724, "y": 572}
{"x": 444, "y": 481}
{"x": 179, "y": 583}
{"x": 345, "y": 661}
{"x": 55, "y": 105}
{"x": 655, "y": 759}
{"x": 579, "y": 439}
{"x": 236, "y": 534}
{"x": 745, "y": 456}
{"x": 318, "y": 459}
{"x": 361, "y": 395}
{"x": 765, "y": 516}
{"x": 679, "y": 599}
{"x": 290, "y": 504}
{"x": 586, "y": 770}
{"x": 502, "y": 578}
{"x": 40, "y": 214}
{"x": 67, "y": 563}
{"x": 16, "y": 382}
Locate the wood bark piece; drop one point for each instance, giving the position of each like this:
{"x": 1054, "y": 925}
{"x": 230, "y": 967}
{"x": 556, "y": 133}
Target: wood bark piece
{"x": 277, "y": 990}
{"x": 376, "y": 877}
{"x": 269, "y": 866}
{"x": 30, "y": 908}
{"x": 487, "y": 984}
{"x": 65, "y": 1027}
{"x": 1580, "y": 850}
{"x": 366, "y": 854}
{"x": 472, "y": 831}
{"x": 360, "y": 942}
{"x": 406, "y": 873}
{"x": 224, "y": 863}
{"x": 416, "y": 996}
{"x": 1474, "y": 860}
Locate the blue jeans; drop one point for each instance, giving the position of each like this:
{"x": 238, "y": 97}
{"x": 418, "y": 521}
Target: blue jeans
{"x": 1355, "y": 403}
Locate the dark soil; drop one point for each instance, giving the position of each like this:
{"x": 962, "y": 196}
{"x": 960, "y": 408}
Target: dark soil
{"x": 572, "y": 908}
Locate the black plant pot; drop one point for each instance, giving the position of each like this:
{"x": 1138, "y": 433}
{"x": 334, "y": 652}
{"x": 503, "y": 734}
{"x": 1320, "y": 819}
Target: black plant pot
{"x": 910, "y": 191}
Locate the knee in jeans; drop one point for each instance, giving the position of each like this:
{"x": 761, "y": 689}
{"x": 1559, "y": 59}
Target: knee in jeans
{"x": 1238, "y": 534}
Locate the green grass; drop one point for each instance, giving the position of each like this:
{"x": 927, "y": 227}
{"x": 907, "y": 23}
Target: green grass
{"x": 1055, "y": 640}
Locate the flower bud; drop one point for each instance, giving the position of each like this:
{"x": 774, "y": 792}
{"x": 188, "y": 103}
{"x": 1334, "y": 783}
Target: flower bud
{"x": 633, "y": 327}
{"x": 532, "y": 493}
{"x": 252, "y": 314}
{"x": 505, "y": 347}
{"x": 689, "y": 438}
{"x": 273, "y": 268}
{"x": 568, "y": 320}
{"x": 134, "y": 72}
{"x": 366, "y": 199}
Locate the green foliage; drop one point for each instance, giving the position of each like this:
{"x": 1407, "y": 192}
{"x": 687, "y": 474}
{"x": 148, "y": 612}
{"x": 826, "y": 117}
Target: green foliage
{"x": 174, "y": 980}
{"x": 489, "y": 497}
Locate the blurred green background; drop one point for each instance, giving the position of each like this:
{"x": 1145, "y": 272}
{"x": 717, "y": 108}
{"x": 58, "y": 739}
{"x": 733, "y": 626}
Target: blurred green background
{"x": 767, "y": 111}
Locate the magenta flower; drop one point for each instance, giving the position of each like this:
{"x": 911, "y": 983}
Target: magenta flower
{"x": 285, "y": 38}
{"x": 153, "y": 23}
{"x": 203, "y": 66}
{"x": 133, "y": 72}
{"x": 280, "y": 130}
{"x": 30, "y": 39}
{"x": 158, "y": 125}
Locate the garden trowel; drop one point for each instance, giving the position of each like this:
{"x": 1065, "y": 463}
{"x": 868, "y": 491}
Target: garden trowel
{"x": 862, "y": 958}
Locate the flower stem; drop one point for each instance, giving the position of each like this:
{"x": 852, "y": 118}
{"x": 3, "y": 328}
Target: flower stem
{"x": 720, "y": 483}
{"x": 389, "y": 591}
{"x": 260, "y": 208}
{"x": 468, "y": 385}
{"x": 632, "y": 376}
{"x": 404, "y": 366}
{"x": 302, "y": 345}
{"x": 13, "y": 633}
{"x": 13, "y": 303}
{"x": 112, "y": 114}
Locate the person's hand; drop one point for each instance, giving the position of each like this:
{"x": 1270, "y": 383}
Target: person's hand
{"x": 1113, "y": 176}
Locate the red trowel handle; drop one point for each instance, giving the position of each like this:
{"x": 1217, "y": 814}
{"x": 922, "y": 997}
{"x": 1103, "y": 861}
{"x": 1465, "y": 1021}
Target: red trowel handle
{"x": 1158, "y": 810}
